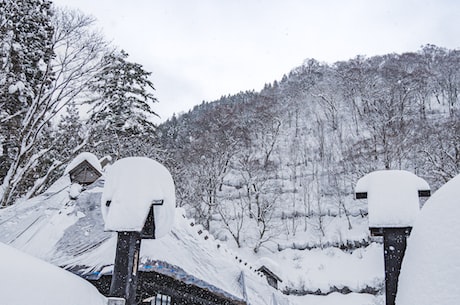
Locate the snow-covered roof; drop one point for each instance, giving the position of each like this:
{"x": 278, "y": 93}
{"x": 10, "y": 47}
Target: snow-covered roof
{"x": 28, "y": 280}
{"x": 272, "y": 267}
{"x": 431, "y": 266}
{"x": 84, "y": 156}
{"x": 393, "y": 197}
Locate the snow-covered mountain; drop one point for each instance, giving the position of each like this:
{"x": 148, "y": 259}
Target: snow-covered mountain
{"x": 276, "y": 169}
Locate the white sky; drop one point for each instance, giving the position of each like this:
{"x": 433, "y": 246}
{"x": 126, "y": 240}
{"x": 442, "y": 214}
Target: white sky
{"x": 203, "y": 49}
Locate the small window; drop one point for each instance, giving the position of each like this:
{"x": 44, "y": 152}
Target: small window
{"x": 161, "y": 299}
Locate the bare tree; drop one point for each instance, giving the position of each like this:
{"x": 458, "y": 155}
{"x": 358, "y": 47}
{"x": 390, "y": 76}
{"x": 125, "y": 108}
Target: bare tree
{"x": 233, "y": 214}
{"x": 266, "y": 207}
{"x": 78, "y": 53}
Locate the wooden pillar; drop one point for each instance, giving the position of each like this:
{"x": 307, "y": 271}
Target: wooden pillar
{"x": 394, "y": 247}
{"x": 124, "y": 278}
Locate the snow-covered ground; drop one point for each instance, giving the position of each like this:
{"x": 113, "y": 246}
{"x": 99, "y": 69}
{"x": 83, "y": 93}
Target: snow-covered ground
{"x": 324, "y": 269}
{"x": 70, "y": 233}
{"x": 27, "y": 280}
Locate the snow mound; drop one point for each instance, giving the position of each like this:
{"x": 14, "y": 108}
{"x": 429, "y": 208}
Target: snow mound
{"x": 91, "y": 158}
{"x": 131, "y": 186}
{"x": 75, "y": 190}
{"x": 392, "y": 197}
{"x": 431, "y": 267}
{"x": 28, "y": 280}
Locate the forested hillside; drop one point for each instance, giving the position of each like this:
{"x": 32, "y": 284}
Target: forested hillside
{"x": 256, "y": 166}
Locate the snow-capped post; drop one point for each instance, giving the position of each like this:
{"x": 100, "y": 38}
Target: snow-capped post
{"x": 138, "y": 202}
{"x": 393, "y": 205}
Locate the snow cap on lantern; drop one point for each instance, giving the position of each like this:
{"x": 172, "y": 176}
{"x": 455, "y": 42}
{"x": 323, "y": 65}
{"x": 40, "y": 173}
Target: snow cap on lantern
{"x": 393, "y": 197}
{"x": 133, "y": 187}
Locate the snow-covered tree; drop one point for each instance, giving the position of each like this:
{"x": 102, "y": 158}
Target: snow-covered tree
{"x": 51, "y": 58}
{"x": 122, "y": 113}
{"x": 26, "y": 51}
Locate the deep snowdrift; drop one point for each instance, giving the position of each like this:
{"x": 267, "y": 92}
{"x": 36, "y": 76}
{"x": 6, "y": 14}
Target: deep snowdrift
{"x": 27, "y": 280}
{"x": 430, "y": 270}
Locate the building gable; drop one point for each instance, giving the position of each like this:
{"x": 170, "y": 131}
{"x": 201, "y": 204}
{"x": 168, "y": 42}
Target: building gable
{"x": 84, "y": 173}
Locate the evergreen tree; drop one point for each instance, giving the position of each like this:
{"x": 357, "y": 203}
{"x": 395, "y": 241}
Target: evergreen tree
{"x": 70, "y": 132}
{"x": 121, "y": 118}
{"x": 62, "y": 143}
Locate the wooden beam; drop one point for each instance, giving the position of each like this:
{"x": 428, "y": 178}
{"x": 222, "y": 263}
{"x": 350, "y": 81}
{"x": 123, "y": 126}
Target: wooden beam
{"x": 424, "y": 193}
{"x": 124, "y": 280}
{"x": 361, "y": 195}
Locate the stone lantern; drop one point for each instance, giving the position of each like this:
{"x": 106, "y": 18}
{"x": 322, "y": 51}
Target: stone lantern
{"x": 138, "y": 202}
{"x": 393, "y": 205}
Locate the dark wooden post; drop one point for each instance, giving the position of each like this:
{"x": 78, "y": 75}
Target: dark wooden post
{"x": 394, "y": 247}
{"x": 124, "y": 278}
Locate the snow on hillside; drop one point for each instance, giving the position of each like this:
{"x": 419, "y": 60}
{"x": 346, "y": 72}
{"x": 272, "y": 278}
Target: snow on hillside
{"x": 28, "y": 280}
{"x": 70, "y": 233}
{"x": 324, "y": 269}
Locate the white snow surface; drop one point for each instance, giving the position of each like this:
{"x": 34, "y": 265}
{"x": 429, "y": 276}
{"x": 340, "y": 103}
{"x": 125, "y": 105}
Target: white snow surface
{"x": 70, "y": 233}
{"x": 19, "y": 86}
{"x": 323, "y": 269}
{"x": 75, "y": 190}
{"x": 430, "y": 270}
{"x": 132, "y": 185}
{"x": 336, "y": 299}
{"x": 91, "y": 158}
{"x": 27, "y": 280}
{"x": 392, "y": 197}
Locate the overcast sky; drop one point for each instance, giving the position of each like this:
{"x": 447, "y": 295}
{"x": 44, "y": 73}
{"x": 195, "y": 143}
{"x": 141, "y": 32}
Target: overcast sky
{"x": 202, "y": 49}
